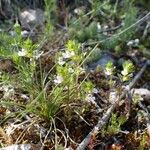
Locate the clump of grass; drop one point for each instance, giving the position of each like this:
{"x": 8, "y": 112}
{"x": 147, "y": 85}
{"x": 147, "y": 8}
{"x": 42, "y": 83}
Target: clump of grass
{"x": 58, "y": 89}
{"x": 64, "y": 84}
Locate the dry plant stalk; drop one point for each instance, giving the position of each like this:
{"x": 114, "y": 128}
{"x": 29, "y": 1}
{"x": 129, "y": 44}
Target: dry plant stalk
{"x": 5, "y": 138}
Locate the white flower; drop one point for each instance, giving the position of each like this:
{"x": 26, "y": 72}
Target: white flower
{"x": 58, "y": 80}
{"x": 24, "y": 96}
{"x": 99, "y": 27}
{"x": 133, "y": 42}
{"x": 61, "y": 61}
{"x": 78, "y": 11}
{"x": 68, "y": 54}
{"x": 82, "y": 70}
{"x": 90, "y": 98}
{"x": 95, "y": 90}
{"x": 70, "y": 70}
{"x": 23, "y": 52}
{"x": 25, "y": 33}
{"x": 105, "y": 27}
{"x": 12, "y": 33}
{"x": 125, "y": 72}
{"x": 8, "y": 92}
{"x": 108, "y": 72}
{"x": 136, "y": 41}
{"x": 130, "y": 43}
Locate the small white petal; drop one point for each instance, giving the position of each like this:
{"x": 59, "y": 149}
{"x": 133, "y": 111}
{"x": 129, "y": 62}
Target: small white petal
{"x": 105, "y": 27}
{"x": 12, "y": 33}
{"x": 95, "y": 90}
{"x": 130, "y": 43}
{"x": 99, "y": 27}
{"x": 136, "y": 41}
{"x": 25, "y": 97}
{"x": 61, "y": 61}
{"x": 23, "y": 52}
{"x": 68, "y": 54}
{"x": 25, "y": 33}
{"x": 70, "y": 70}
{"x": 108, "y": 72}
{"x": 58, "y": 80}
{"x": 90, "y": 98}
{"x": 8, "y": 92}
{"x": 125, "y": 72}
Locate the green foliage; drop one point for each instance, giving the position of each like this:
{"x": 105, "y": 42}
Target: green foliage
{"x": 143, "y": 141}
{"x": 50, "y": 7}
{"x": 68, "y": 71}
{"x": 130, "y": 13}
{"x": 84, "y": 31}
{"x": 73, "y": 46}
{"x": 114, "y": 125}
{"x": 128, "y": 69}
{"x": 130, "y": 18}
{"x": 94, "y": 56}
{"x": 143, "y": 3}
{"x": 110, "y": 68}
{"x": 6, "y": 47}
{"x": 63, "y": 86}
{"x": 20, "y": 51}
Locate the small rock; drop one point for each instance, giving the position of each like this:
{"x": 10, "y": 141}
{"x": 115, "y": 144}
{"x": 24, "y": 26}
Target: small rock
{"x": 30, "y": 18}
{"x": 143, "y": 93}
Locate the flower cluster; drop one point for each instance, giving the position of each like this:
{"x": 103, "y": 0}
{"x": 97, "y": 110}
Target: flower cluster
{"x": 68, "y": 63}
{"x": 68, "y": 69}
{"x": 133, "y": 43}
{"x": 23, "y": 52}
{"x": 128, "y": 69}
{"x": 65, "y": 56}
{"x": 109, "y": 68}
{"x": 58, "y": 79}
